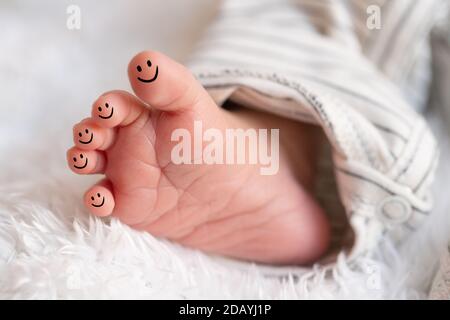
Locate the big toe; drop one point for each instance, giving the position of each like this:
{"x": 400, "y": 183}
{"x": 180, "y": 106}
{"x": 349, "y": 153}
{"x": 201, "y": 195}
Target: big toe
{"x": 164, "y": 83}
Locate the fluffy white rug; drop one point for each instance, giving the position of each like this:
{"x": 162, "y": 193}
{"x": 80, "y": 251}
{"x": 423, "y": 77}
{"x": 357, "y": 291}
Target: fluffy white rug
{"x": 51, "y": 248}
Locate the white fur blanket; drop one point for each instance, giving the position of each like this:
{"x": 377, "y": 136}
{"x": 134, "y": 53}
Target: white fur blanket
{"x": 51, "y": 248}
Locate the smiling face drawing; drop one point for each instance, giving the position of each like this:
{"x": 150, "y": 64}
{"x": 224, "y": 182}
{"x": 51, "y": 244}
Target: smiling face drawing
{"x": 97, "y": 204}
{"x": 81, "y": 135}
{"x": 100, "y": 200}
{"x": 77, "y": 162}
{"x": 145, "y": 75}
{"x": 106, "y": 111}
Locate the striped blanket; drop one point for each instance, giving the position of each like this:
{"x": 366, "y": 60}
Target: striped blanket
{"x": 360, "y": 69}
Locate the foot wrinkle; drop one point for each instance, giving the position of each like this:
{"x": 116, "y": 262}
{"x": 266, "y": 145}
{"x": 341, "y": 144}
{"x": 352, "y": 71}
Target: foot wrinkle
{"x": 236, "y": 193}
{"x": 258, "y": 208}
{"x": 220, "y": 237}
{"x": 147, "y": 164}
{"x": 131, "y": 190}
{"x": 144, "y": 125}
{"x": 180, "y": 95}
{"x": 242, "y": 213}
{"x": 239, "y": 230}
{"x": 130, "y": 111}
{"x": 158, "y": 187}
{"x": 183, "y": 190}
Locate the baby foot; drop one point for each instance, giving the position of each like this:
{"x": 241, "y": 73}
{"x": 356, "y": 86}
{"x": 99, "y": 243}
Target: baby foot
{"x": 231, "y": 210}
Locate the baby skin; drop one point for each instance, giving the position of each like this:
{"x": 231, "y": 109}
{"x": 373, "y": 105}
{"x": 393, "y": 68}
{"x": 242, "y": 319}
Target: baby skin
{"x": 227, "y": 209}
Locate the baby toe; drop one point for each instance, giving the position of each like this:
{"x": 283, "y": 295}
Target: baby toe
{"x": 99, "y": 200}
{"x": 116, "y": 108}
{"x": 86, "y": 161}
{"x": 88, "y": 136}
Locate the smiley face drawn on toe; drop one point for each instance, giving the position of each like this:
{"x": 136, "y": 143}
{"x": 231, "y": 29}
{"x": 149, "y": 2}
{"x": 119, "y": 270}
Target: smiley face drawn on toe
{"x": 98, "y": 205}
{"x": 149, "y": 64}
{"x": 80, "y": 167}
{"x": 80, "y": 134}
{"x": 100, "y": 110}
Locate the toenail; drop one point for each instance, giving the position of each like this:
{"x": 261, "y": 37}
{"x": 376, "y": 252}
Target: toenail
{"x": 92, "y": 198}
{"x": 149, "y": 63}
{"x": 100, "y": 109}
{"x": 87, "y": 131}
{"x": 139, "y": 68}
{"x": 74, "y": 159}
{"x": 98, "y": 195}
{"x": 81, "y": 156}
{"x": 80, "y": 134}
{"x": 106, "y": 105}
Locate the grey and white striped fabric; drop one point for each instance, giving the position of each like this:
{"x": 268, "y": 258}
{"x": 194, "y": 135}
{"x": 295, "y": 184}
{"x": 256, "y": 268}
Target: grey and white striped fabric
{"x": 317, "y": 61}
{"x": 441, "y": 98}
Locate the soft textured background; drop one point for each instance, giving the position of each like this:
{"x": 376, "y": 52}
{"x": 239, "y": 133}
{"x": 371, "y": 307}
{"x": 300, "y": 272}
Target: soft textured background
{"x": 51, "y": 248}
